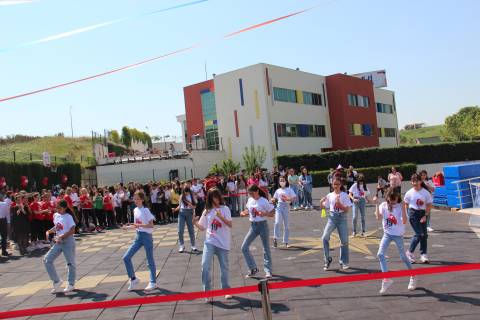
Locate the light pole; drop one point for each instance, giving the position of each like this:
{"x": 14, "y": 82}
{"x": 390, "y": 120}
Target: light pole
{"x": 165, "y": 141}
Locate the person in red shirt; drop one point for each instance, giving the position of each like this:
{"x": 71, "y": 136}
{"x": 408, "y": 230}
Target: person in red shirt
{"x": 108, "y": 207}
{"x": 48, "y": 206}
{"x": 37, "y": 233}
{"x": 211, "y": 182}
{"x": 87, "y": 208}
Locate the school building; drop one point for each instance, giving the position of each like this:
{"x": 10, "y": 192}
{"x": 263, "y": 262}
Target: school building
{"x": 288, "y": 112}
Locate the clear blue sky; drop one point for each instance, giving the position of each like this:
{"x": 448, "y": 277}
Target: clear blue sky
{"x": 430, "y": 49}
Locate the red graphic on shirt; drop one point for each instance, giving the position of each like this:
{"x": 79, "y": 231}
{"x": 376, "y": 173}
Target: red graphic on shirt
{"x": 284, "y": 197}
{"x": 216, "y": 224}
{"x": 391, "y": 220}
{"x": 59, "y": 226}
{"x": 254, "y": 212}
{"x": 137, "y": 221}
{"x": 362, "y": 193}
{"x": 420, "y": 202}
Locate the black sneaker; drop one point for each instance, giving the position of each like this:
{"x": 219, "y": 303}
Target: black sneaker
{"x": 252, "y": 273}
{"x": 275, "y": 244}
{"x": 327, "y": 264}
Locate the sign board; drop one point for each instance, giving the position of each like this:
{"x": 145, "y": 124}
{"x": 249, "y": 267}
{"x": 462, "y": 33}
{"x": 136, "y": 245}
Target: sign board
{"x": 46, "y": 159}
{"x": 379, "y": 77}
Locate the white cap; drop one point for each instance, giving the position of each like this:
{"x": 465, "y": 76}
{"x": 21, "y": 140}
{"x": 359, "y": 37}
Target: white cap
{"x": 339, "y": 167}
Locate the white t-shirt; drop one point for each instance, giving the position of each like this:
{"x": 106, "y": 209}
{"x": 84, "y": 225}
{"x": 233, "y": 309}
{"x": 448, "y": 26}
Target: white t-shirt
{"x": 182, "y": 205}
{"x": 331, "y": 199}
{"x": 284, "y": 192}
{"x": 395, "y": 179}
{"x": 143, "y": 216}
{"x": 198, "y": 190}
{"x": 231, "y": 186}
{"x": 153, "y": 196}
{"x": 254, "y": 206}
{"x": 117, "y": 201}
{"x": 262, "y": 183}
{"x": 392, "y": 220}
{"x": 75, "y": 199}
{"x": 218, "y": 233}
{"x": 63, "y": 223}
{"x": 418, "y": 200}
{"x": 362, "y": 193}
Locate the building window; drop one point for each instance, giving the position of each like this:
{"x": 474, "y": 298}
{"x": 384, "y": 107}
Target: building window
{"x": 210, "y": 120}
{"x": 314, "y": 99}
{"x": 358, "y": 101}
{"x": 385, "y": 108}
{"x": 387, "y": 132}
{"x": 366, "y": 130}
{"x": 284, "y": 95}
{"x": 300, "y": 130}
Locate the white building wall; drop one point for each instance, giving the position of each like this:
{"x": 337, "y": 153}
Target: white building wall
{"x": 295, "y": 113}
{"x": 386, "y": 120}
{"x": 227, "y": 99}
{"x": 260, "y": 123}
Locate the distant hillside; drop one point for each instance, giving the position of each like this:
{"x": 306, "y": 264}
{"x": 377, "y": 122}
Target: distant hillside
{"x": 409, "y": 136}
{"x": 71, "y": 149}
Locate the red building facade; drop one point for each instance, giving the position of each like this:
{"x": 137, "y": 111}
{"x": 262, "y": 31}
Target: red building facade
{"x": 193, "y": 107}
{"x": 352, "y": 112}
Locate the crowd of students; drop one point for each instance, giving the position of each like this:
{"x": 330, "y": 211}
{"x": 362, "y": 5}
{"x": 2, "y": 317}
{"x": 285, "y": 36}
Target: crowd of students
{"x": 209, "y": 206}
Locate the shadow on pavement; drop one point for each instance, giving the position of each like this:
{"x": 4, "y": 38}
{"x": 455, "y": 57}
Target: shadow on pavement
{"x": 246, "y": 304}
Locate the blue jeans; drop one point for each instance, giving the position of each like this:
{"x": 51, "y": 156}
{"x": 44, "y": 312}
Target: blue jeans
{"x": 300, "y": 196}
{"x": 233, "y": 204}
{"x": 186, "y": 216}
{"x": 387, "y": 238}
{"x": 295, "y": 201}
{"x": 67, "y": 247}
{"x": 209, "y": 250}
{"x": 420, "y": 230}
{"x": 281, "y": 217}
{"x": 257, "y": 229}
{"x": 142, "y": 239}
{"x": 358, "y": 208}
{"x": 307, "y": 196}
{"x": 337, "y": 221}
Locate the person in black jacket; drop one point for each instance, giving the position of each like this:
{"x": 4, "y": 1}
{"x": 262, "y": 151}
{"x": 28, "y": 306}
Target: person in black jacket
{"x": 20, "y": 222}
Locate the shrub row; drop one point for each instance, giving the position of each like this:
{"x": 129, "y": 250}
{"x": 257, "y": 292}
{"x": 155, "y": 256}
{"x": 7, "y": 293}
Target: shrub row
{"x": 371, "y": 173}
{"x": 35, "y": 172}
{"x": 371, "y": 157}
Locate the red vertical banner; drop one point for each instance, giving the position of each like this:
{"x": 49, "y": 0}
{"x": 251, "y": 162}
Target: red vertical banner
{"x": 236, "y": 123}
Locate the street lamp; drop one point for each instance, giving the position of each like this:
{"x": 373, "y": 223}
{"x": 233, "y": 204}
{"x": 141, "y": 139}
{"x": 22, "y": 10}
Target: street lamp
{"x": 165, "y": 141}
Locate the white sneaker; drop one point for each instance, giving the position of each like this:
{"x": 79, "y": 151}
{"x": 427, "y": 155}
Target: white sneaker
{"x": 181, "y": 249}
{"x": 412, "y": 285}
{"x": 133, "y": 284}
{"x": 430, "y": 229}
{"x": 68, "y": 288}
{"x": 228, "y": 296}
{"x": 268, "y": 275}
{"x": 424, "y": 258}
{"x": 345, "y": 266}
{"x": 151, "y": 286}
{"x": 410, "y": 256}
{"x": 56, "y": 287}
{"x": 386, "y": 283}
{"x": 194, "y": 249}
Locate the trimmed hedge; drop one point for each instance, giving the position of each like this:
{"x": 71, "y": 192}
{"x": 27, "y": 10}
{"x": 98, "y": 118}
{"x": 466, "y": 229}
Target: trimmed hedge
{"x": 12, "y": 171}
{"x": 371, "y": 157}
{"x": 371, "y": 174}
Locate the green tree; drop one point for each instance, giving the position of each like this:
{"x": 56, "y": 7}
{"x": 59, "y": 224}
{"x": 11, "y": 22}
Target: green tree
{"x": 463, "y": 125}
{"x": 114, "y": 136}
{"x": 226, "y": 167}
{"x": 126, "y": 136}
{"x": 254, "y": 158}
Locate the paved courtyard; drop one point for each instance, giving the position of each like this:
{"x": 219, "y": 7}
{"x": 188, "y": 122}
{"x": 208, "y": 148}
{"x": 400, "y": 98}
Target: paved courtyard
{"x": 101, "y": 276}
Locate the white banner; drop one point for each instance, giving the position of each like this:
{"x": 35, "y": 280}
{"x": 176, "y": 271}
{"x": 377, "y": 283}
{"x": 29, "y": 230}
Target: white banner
{"x": 46, "y": 159}
{"x": 379, "y": 77}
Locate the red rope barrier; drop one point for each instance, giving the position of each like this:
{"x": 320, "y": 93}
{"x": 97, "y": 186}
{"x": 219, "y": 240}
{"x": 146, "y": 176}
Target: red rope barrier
{"x": 235, "y": 291}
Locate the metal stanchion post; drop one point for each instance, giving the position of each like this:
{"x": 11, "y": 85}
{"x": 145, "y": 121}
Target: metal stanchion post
{"x": 266, "y": 304}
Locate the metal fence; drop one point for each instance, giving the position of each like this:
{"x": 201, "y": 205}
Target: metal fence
{"x": 17, "y": 156}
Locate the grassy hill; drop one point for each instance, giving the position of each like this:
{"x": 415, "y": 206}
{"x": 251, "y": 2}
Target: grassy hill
{"x": 71, "y": 149}
{"x": 409, "y": 136}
